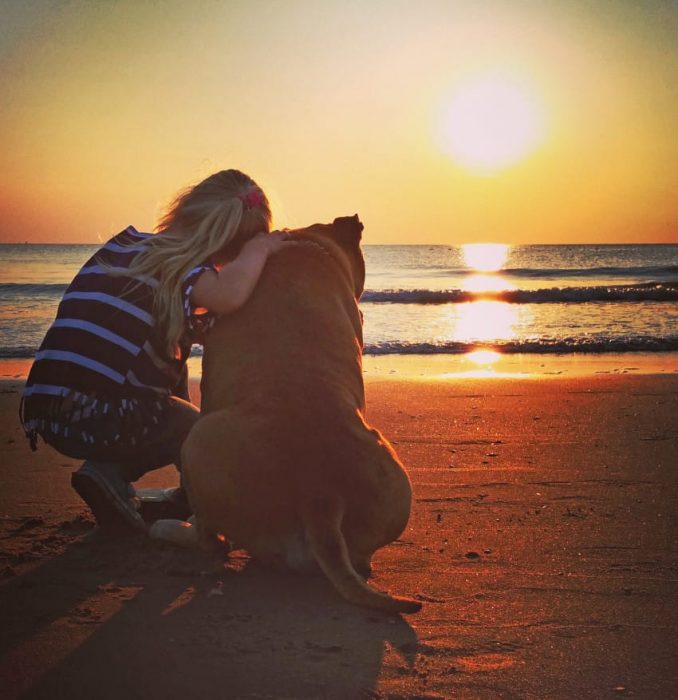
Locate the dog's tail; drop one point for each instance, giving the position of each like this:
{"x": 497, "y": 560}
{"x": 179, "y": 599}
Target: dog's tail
{"x": 323, "y": 529}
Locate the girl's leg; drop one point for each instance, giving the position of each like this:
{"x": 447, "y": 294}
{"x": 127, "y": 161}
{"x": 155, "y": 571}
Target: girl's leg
{"x": 181, "y": 389}
{"x": 163, "y": 445}
{"x": 103, "y": 481}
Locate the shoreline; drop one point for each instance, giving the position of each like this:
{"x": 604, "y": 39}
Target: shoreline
{"x": 454, "y": 367}
{"x": 519, "y": 366}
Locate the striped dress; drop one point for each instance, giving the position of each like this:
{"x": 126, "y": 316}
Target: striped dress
{"x": 101, "y": 361}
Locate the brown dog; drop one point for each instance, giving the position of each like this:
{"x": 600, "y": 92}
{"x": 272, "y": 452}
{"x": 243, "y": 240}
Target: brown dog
{"x": 282, "y": 461}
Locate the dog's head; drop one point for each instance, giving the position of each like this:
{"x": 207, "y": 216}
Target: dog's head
{"x": 341, "y": 239}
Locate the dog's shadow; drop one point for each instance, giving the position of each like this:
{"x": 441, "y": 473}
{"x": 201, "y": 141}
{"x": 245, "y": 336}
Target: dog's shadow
{"x": 159, "y": 627}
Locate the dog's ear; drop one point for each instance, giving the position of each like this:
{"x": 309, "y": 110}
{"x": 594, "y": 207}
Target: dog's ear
{"x": 348, "y": 230}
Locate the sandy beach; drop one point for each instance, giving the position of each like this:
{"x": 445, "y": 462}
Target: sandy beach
{"x": 542, "y": 544}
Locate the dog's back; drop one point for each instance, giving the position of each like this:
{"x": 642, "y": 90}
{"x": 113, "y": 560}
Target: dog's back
{"x": 282, "y": 461}
{"x": 300, "y": 335}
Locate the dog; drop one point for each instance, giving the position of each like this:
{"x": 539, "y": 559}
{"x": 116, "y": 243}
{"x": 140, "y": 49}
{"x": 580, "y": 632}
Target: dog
{"x": 282, "y": 461}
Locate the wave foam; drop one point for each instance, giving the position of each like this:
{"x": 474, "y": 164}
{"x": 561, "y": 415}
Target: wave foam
{"x": 652, "y": 291}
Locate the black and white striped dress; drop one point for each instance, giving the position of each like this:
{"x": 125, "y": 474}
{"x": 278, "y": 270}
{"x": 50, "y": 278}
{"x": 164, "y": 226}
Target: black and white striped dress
{"x": 102, "y": 361}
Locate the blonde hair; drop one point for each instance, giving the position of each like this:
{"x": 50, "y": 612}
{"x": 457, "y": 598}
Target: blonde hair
{"x": 211, "y": 219}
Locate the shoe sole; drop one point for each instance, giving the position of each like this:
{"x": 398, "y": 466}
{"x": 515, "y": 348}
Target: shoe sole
{"x": 158, "y": 504}
{"x": 111, "y": 512}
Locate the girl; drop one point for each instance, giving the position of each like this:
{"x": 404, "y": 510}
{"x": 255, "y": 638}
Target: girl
{"x": 109, "y": 382}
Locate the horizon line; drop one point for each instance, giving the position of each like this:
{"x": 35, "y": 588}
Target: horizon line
{"x": 430, "y": 245}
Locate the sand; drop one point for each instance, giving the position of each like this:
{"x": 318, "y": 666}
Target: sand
{"x": 542, "y": 544}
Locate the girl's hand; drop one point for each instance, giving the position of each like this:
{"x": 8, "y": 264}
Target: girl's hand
{"x": 268, "y": 243}
{"x": 276, "y": 240}
{"x": 227, "y": 290}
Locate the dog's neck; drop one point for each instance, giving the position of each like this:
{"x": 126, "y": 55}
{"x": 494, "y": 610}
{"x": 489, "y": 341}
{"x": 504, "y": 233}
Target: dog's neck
{"x": 324, "y": 246}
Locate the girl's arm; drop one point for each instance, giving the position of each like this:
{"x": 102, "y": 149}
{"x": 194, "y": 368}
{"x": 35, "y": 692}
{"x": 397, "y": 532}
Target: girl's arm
{"x": 227, "y": 290}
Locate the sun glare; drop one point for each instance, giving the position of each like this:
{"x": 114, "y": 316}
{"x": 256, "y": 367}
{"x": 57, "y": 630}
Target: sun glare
{"x": 490, "y": 122}
{"x": 485, "y": 257}
{"x": 482, "y": 321}
{"x": 483, "y": 357}
{"x": 486, "y": 283}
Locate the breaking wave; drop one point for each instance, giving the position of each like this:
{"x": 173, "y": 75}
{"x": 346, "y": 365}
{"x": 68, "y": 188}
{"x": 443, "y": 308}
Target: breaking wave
{"x": 544, "y": 346}
{"x": 650, "y": 291}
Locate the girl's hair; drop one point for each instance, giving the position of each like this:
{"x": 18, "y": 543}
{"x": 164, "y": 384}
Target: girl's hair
{"x": 211, "y": 219}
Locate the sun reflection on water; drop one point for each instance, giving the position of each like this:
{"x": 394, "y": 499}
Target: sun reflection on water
{"x": 485, "y": 257}
{"x": 483, "y": 357}
{"x": 483, "y": 320}
{"x": 486, "y": 283}
{"x": 484, "y": 261}
{"x": 479, "y": 321}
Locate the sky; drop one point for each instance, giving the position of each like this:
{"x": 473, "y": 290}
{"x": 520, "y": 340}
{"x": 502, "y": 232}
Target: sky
{"x": 438, "y": 122}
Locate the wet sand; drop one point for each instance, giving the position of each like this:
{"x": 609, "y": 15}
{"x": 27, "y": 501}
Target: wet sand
{"x": 542, "y": 544}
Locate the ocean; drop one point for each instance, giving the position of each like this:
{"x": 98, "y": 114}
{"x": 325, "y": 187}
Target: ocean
{"x": 425, "y": 299}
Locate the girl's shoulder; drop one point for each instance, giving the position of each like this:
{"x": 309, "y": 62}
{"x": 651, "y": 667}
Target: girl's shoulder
{"x": 127, "y": 243}
{"x": 118, "y": 252}
{"x": 128, "y": 237}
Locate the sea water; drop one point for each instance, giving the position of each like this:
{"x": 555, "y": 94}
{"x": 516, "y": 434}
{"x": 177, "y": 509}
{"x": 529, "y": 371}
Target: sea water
{"x": 422, "y": 299}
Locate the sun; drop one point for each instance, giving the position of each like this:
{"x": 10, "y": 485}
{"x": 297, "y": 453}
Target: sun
{"x": 490, "y": 122}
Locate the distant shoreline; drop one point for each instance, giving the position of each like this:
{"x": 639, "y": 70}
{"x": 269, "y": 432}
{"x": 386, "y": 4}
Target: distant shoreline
{"x": 413, "y": 245}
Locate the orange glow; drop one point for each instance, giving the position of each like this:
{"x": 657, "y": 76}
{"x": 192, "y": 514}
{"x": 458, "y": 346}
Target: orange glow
{"x": 484, "y": 662}
{"x": 572, "y": 96}
{"x": 184, "y": 598}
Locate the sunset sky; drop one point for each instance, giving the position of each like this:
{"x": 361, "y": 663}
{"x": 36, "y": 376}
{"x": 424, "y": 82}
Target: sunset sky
{"x": 519, "y": 121}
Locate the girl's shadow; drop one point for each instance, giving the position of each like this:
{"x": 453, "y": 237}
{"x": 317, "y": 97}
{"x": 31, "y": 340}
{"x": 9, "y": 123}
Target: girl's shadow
{"x": 145, "y": 621}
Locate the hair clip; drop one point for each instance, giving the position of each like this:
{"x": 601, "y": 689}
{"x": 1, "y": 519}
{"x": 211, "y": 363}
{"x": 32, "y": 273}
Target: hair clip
{"x": 252, "y": 199}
